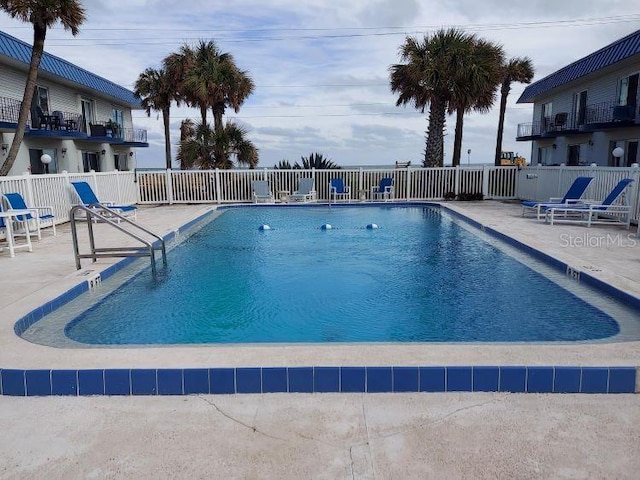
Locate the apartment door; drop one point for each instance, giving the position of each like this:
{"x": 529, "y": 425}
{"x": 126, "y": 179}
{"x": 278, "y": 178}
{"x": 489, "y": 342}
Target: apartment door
{"x": 579, "y": 108}
{"x": 632, "y": 153}
{"x": 91, "y": 161}
{"x": 573, "y": 155}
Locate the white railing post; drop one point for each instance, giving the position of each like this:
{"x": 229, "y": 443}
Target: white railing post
{"x": 169, "y": 181}
{"x": 28, "y": 181}
{"x": 485, "y": 181}
{"x": 118, "y": 189}
{"x": 635, "y": 199}
{"x": 218, "y": 188}
{"x": 265, "y": 176}
{"x": 360, "y": 181}
{"x": 456, "y": 180}
{"x": 408, "y": 189}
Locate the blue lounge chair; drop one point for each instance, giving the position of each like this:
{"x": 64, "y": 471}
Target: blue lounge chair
{"x": 306, "y": 191}
{"x": 37, "y": 215}
{"x": 337, "y": 190}
{"x": 384, "y": 190}
{"x": 88, "y": 198}
{"x": 604, "y": 212}
{"x": 261, "y": 191}
{"x": 572, "y": 196}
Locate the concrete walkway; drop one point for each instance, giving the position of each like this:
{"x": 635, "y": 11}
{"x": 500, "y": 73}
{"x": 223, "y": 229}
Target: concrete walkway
{"x": 322, "y": 436}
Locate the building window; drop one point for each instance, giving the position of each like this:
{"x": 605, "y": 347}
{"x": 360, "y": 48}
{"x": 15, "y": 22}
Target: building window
{"x": 39, "y": 105}
{"x": 120, "y": 159}
{"x": 628, "y": 90}
{"x": 91, "y": 161}
{"x": 546, "y": 114}
{"x": 87, "y": 114}
{"x": 579, "y": 108}
{"x": 545, "y": 155}
{"x": 37, "y": 167}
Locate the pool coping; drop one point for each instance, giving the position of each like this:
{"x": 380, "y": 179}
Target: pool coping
{"x": 353, "y": 378}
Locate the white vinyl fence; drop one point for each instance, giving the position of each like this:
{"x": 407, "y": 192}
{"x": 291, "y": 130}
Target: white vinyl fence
{"x": 55, "y": 190}
{"x": 542, "y": 183}
{"x": 232, "y": 186}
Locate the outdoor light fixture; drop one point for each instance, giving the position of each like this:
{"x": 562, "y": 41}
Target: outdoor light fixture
{"x": 46, "y": 160}
{"x": 5, "y": 147}
{"x": 617, "y": 152}
{"x": 64, "y": 151}
{"x": 103, "y": 152}
{"x": 554, "y": 146}
{"x": 131, "y": 154}
{"x": 590, "y": 143}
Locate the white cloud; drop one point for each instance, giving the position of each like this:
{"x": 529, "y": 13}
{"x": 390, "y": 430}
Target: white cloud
{"x": 321, "y": 66}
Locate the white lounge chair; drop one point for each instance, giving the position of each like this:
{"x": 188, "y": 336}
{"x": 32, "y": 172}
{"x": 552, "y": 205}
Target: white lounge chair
{"x": 37, "y": 215}
{"x": 306, "y": 191}
{"x": 594, "y": 212}
{"x": 573, "y": 195}
{"x": 261, "y": 191}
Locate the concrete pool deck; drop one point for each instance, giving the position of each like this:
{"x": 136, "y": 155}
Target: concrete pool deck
{"x": 31, "y": 279}
{"x": 293, "y": 436}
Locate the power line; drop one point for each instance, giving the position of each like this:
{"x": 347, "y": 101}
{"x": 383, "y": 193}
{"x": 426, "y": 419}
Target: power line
{"x": 253, "y": 38}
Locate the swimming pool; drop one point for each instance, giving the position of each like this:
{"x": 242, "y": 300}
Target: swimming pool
{"x": 420, "y": 277}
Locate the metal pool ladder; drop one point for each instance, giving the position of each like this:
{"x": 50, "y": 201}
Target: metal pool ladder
{"x": 104, "y": 214}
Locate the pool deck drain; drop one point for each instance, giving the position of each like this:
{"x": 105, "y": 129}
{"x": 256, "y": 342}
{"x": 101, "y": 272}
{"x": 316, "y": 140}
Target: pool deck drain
{"x": 29, "y": 280}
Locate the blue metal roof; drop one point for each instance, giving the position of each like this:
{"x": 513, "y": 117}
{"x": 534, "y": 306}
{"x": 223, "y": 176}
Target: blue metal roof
{"x": 20, "y": 51}
{"x": 619, "y": 50}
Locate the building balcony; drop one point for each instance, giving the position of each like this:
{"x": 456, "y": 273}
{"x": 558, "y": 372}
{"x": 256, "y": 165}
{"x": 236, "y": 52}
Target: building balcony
{"x": 609, "y": 115}
{"x": 68, "y": 125}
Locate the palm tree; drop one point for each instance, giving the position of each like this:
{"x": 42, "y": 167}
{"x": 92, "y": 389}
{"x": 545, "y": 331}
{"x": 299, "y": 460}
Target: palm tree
{"x": 518, "y": 69}
{"x": 283, "y": 165}
{"x": 43, "y": 14}
{"x": 206, "y": 148}
{"x": 317, "y": 161}
{"x": 474, "y": 82}
{"x": 209, "y": 78}
{"x": 424, "y": 79}
{"x": 157, "y": 89}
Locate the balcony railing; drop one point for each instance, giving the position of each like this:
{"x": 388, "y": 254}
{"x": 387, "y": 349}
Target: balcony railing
{"x": 9, "y": 110}
{"x": 610, "y": 112}
{"x": 138, "y": 135}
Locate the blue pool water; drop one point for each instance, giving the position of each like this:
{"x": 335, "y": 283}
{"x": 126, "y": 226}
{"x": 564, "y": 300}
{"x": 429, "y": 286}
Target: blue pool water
{"x": 420, "y": 277}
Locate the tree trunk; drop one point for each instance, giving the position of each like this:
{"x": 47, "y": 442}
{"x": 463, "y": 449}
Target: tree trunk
{"x": 203, "y": 114}
{"x": 504, "y": 93}
{"x": 434, "y": 154}
{"x": 218, "y": 112}
{"x": 167, "y": 137}
{"x": 39, "y": 34}
{"x": 457, "y": 142}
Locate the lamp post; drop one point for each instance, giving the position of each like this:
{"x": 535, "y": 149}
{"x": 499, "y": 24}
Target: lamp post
{"x": 617, "y": 152}
{"x": 469, "y": 157}
{"x": 46, "y": 160}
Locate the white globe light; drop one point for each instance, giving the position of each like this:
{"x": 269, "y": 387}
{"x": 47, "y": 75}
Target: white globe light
{"x": 618, "y": 152}
{"x": 46, "y": 159}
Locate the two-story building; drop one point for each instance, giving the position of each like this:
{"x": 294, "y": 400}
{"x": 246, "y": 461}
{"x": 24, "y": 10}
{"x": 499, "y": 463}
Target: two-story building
{"x": 585, "y": 110}
{"x": 81, "y": 120}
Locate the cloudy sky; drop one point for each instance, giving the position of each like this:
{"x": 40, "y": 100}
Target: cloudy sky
{"x": 321, "y": 67}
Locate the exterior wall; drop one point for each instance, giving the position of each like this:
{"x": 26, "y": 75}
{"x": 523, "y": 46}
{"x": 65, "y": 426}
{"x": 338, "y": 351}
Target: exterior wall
{"x": 595, "y": 147}
{"x": 65, "y": 99}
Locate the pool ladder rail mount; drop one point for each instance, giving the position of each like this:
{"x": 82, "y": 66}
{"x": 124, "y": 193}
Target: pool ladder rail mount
{"x": 103, "y": 214}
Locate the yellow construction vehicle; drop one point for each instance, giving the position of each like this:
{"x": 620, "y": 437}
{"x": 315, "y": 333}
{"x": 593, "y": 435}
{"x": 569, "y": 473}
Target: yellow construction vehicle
{"x": 509, "y": 158}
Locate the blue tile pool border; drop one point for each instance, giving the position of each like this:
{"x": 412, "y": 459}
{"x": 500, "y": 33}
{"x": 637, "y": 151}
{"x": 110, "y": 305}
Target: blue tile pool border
{"x": 322, "y": 379}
